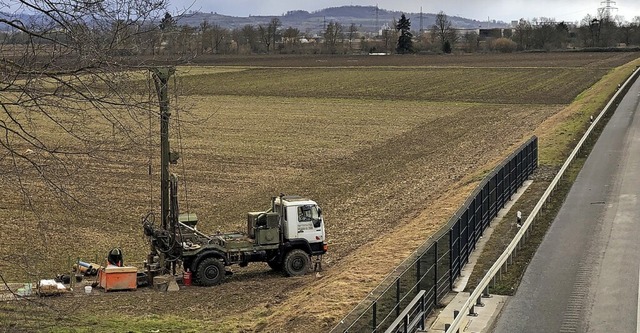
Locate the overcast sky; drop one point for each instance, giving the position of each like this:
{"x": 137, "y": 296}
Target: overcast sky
{"x": 503, "y": 10}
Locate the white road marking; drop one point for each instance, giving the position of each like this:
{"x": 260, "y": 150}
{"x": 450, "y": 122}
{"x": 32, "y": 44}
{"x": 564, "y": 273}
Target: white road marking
{"x": 638, "y": 316}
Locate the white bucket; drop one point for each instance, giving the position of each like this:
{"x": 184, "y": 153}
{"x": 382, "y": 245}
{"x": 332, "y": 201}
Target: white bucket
{"x": 87, "y": 289}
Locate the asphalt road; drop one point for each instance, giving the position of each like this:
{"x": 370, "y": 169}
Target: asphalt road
{"x": 585, "y": 275}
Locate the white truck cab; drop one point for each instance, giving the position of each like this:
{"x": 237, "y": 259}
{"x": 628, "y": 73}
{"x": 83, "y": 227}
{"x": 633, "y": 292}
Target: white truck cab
{"x": 302, "y": 220}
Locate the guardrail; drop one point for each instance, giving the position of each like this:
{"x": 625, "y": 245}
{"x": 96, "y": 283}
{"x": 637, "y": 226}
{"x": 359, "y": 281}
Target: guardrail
{"x": 438, "y": 262}
{"x": 483, "y": 286}
{"x": 413, "y": 316}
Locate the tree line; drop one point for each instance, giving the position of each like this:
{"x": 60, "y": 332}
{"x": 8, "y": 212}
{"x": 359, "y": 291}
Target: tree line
{"x": 601, "y": 31}
{"x": 169, "y": 38}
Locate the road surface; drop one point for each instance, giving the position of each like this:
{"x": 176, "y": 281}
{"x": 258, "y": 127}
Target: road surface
{"x": 585, "y": 275}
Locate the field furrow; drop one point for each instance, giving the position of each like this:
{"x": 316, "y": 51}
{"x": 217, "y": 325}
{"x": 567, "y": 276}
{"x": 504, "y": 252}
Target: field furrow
{"x": 470, "y": 85}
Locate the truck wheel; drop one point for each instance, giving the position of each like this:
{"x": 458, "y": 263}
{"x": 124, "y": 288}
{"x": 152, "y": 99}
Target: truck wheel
{"x": 210, "y": 272}
{"x": 296, "y": 263}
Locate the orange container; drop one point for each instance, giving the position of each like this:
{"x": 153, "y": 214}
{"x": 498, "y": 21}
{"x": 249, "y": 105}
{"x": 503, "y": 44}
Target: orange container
{"x": 118, "y": 278}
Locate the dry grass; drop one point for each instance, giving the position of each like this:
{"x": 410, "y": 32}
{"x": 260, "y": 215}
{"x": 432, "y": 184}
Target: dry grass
{"x": 387, "y": 171}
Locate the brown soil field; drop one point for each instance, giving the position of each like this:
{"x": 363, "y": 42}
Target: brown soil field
{"x": 556, "y": 59}
{"x": 389, "y": 149}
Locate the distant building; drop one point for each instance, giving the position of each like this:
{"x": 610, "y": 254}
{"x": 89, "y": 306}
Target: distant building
{"x": 385, "y": 27}
{"x": 494, "y": 33}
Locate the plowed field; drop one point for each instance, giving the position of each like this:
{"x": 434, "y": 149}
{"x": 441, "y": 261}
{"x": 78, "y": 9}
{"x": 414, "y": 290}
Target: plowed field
{"x": 389, "y": 148}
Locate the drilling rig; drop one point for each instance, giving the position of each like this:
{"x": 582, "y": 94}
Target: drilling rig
{"x": 288, "y": 236}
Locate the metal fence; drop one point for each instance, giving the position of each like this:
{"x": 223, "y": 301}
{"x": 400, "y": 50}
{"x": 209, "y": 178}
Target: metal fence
{"x": 438, "y": 262}
{"x": 523, "y": 232}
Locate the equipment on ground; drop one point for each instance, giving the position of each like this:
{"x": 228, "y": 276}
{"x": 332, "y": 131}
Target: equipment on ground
{"x": 118, "y": 278}
{"x": 115, "y": 257}
{"x": 286, "y": 236}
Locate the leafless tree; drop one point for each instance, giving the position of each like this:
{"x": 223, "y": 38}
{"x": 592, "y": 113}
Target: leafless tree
{"x": 608, "y": 34}
{"x": 250, "y": 35}
{"x": 353, "y": 32}
{"x": 236, "y": 36}
{"x": 264, "y": 35}
{"x": 219, "y": 38}
{"x": 544, "y": 32}
{"x": 523, "y": 34}
{"x": 332, "y": 36}
{"x": 291, "y": 37}
{"x": 205, "y": 43}
{"x": 186, "y": 43}
{"x": 600, "y": 31}
{"x": 442, "y": 30}
{"x": 274, "y": 31}
{"x": 471, "y": 41}
{"x": 68, "y": 95}
{"x": 589, "y": 30}
{"x": 635, "y": 31}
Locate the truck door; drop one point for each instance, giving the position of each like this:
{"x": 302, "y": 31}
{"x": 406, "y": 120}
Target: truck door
{"x": 310, "y": 224}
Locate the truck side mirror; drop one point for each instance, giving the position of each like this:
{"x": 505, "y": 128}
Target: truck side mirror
{"x": 319, "y": 211}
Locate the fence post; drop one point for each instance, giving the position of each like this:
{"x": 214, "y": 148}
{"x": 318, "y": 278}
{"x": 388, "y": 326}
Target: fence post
{"x": 422, "y": 311}
{"x": 405, "y": 323}
{"x": 451, "y": 259}
{"x": 435, "y": 276}
{"x": 397, "y": 296}
{"x": 418, "y": 273}
{"x": 485, "y": 292}
{"x": 472, "y": 311}
{"x": 455, "y": 315}
{"x": 460, "y": 246}
{"x": 375, "y": 312}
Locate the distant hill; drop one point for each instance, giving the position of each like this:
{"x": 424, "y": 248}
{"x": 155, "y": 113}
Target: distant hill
{"x": 26, "y": 19}
{"x": 364, "y": 17}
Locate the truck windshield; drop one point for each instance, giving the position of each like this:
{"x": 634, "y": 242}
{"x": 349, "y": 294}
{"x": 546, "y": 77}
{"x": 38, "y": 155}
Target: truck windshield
{"x": 309, "y": 213}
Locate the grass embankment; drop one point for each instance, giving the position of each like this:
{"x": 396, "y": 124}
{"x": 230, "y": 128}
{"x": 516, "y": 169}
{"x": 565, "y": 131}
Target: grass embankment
{"x": 557, "y": 138}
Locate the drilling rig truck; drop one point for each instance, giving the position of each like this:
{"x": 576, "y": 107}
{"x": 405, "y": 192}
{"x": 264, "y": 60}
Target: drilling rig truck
{"x": 286, "y": 236}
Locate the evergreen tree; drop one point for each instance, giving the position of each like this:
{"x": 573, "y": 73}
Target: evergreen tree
{"x": 446, "y": 48}
{"x": 405, "y": 43}
{"x": 167, "y": 22}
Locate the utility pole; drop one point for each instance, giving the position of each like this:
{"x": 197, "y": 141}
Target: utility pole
{"x": 421, "y": 26}
{"x": 377, "y": 24}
